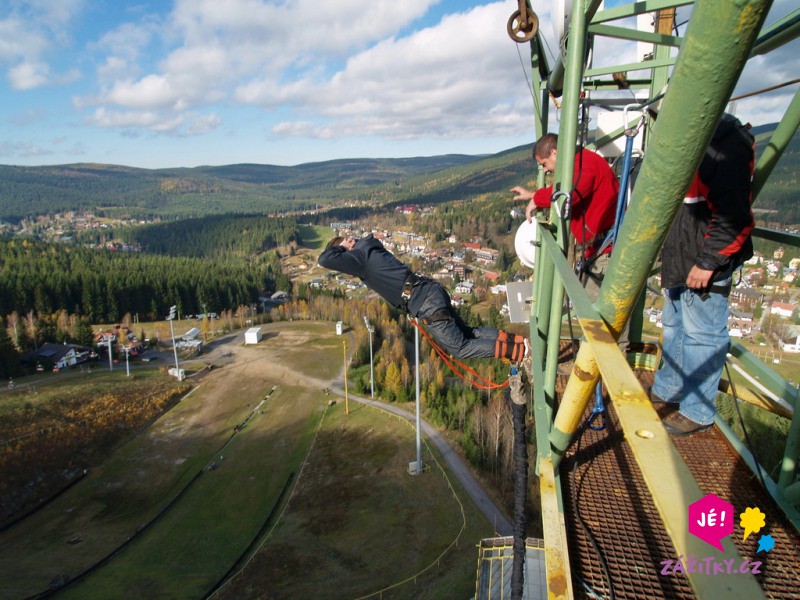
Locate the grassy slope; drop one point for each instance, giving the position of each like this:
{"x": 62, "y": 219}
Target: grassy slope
{"x": 354, "y": 498}
{"x": 358, "y": 524}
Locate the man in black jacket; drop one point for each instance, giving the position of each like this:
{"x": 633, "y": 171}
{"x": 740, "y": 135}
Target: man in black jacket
{"x": 420, "y": 297}
{"x": 709, "y": 239}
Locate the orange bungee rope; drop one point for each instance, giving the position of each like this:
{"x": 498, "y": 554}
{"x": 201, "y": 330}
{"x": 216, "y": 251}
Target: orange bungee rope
{"x": 478, "y": 381}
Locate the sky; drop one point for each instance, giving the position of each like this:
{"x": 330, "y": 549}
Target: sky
{"x": 183, "y": 83}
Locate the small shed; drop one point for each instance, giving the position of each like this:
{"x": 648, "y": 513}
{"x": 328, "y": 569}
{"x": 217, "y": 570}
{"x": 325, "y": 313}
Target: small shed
{"x": 252, "y": 335}
{"x": 191, "y": 334}
{"x": 339, "y": 327}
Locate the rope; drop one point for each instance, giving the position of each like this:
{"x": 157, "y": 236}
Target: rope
{"x": 482, "y": 383}
{"x": 767, "y": 89}
{"x": 520, "y": 500}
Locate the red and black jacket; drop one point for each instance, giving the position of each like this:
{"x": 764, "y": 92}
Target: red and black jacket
{"x": 712, "y": 228}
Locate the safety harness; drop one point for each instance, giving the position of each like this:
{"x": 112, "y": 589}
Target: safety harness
{"x": 507, "y": 345}
{"x": 412, "y": 281}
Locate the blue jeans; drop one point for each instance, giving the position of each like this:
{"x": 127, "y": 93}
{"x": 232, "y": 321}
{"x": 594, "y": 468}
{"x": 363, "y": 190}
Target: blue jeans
{"x": 453, "y": 335}
{"x": 695, "y": 347}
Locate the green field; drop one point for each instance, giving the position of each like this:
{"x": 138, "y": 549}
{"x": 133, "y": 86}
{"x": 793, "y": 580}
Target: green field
{"x": 315, "y": 237}
{"x": 201, "y": 498}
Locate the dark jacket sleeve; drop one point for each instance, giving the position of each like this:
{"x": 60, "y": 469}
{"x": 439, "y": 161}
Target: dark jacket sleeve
{"x": 353, "y": 262}
{"x": 727, "y": 172}
{"x": 340, "y": 259}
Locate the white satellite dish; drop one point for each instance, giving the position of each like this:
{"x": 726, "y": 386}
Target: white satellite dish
{"x": 525, "y": 243}
{"x": 562, "y": 14}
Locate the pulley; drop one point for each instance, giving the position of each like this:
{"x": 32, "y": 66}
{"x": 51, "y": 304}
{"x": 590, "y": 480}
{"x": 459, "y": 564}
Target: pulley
{"x": 523, "y": 23}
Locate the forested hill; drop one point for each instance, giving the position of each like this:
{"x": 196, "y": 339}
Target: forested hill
{"x": 117, "y": 191}
{"x": 244, "y": 188}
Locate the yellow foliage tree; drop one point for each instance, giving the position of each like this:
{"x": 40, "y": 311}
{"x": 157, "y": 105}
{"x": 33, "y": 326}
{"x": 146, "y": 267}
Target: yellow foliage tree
{"x": 392, "y": 382}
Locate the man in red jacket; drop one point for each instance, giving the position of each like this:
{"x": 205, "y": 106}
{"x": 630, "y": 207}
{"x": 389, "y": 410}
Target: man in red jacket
{"x": 593, "y": 207}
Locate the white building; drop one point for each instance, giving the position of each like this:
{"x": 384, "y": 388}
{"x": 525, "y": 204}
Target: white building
{"x": 465, "y": 287}
{"x": 191, "y": 334}
{"x": 789, "y": 346}
{"x": 252, "y": 335}
{"x": 782, "y": 309}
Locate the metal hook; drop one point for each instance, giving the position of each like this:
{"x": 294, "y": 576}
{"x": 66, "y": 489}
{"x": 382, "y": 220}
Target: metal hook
{"x": 563, "y": 210}
{"x": 632, "y": 131}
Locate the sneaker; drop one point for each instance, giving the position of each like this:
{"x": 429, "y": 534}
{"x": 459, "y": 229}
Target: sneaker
{"x": 678, "y": 425}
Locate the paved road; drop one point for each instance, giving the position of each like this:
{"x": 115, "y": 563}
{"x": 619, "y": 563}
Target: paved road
{"x": 502, "y": 525}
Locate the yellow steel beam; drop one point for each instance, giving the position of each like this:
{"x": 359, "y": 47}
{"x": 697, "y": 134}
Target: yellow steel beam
{"x": 671, "y": 484}
{"x": 556, "y": 556}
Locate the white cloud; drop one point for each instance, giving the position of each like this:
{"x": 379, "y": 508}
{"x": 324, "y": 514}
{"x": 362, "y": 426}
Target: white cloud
{"x": 203, "y": 124}
{"x": 103, "y": 117}
{"x": 22, "y": 149}
{"x": 329, "y": 70}
{"x": 18, "y": 39}
{"x": 28, "y": 117}
{"x": 303, "y": 27}
{"x": 166, "y": 122}
{"x": 236, "y": 44}
{"x": 458, "y": 79}
{"x": 27, "y": 76}
{"x": 152, "y": 91}
{"x": 30, "y": 34}
{"x": 77, "y": 149}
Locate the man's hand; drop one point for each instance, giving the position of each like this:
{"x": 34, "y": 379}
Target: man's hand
{"x": 521, "y": 193}
{"x": 698, "y": 278}
{"x": 525, "y": 194}
{"x": 348, "y": 243}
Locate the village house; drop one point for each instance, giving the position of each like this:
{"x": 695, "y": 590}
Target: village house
{"x": 746, "y": 297}
{"x": 782, "y": 309}
{"x": 461, "y": 271}
{"x": 756, "y": 259}
{"x": 740, "y": 323}
{"x": 486, "y": 255}
{"x": 773, "y": 268}
{"x": 58, "y": 356}
{"x": 443, "y": 274}
{"x": 465, "y": 287}
{"x": 791, "y": 341}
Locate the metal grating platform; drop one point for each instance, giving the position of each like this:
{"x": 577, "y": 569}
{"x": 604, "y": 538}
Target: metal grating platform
{"x": 603, "y": 485}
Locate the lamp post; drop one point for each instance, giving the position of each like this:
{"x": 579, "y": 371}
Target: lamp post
{"x": 171, "y": 318}
{"x": 127, "y": 350}
{"x": 346, "y": 402}
{"x": 371, "y": 330}
{"x": 417, "y": 466}
{"x": 109, "y": 338}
